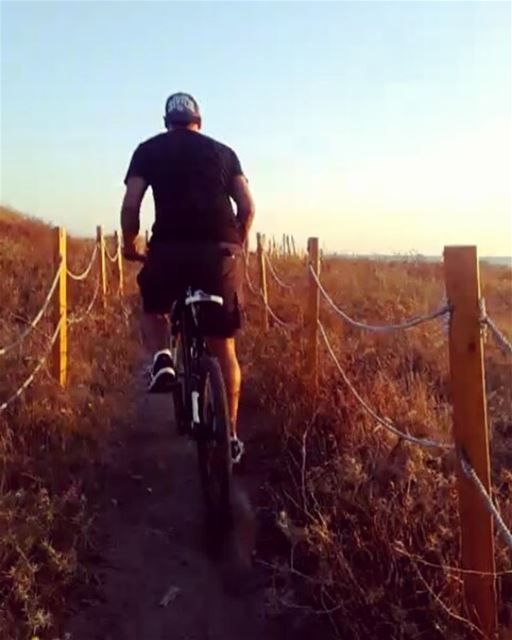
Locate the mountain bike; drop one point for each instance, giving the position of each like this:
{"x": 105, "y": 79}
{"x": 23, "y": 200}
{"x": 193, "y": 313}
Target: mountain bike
{"x": 200, "y": 406}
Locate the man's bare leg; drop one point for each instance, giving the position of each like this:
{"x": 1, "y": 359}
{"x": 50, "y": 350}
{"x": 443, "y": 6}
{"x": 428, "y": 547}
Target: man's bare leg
{"x": 225, "y": 351}
{"x": 155, "y": 327}
{"x": 156, "y": 339}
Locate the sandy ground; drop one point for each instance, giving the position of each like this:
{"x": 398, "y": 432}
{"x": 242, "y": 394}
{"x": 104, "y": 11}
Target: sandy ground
{"x": 154, "y": 544}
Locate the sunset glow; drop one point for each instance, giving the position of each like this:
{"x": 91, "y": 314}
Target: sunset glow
{"x": 379, "y": 127}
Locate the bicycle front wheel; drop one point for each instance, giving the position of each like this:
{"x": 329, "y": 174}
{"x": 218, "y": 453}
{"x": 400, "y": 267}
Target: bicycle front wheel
{"x": 213, "y": 447}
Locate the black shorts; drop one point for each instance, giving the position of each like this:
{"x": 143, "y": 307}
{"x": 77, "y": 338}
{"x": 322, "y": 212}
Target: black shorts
{"x": 216, "y": 269}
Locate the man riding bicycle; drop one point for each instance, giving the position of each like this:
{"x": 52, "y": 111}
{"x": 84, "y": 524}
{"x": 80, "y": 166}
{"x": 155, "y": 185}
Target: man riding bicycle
{"x": 197, "y": 240}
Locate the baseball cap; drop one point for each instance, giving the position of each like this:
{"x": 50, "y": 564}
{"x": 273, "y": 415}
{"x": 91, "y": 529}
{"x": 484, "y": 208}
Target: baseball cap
{"x": 182, "y": 108}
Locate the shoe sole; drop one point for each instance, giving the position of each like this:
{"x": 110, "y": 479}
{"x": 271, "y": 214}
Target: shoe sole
{"x": 238, "y": 458}
{"x": 163, "y": 382}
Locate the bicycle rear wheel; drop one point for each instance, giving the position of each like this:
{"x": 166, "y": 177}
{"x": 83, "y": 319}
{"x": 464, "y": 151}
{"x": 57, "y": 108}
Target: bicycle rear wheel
{"x": 182, "y": 391}
{"x": 213, "y": 448}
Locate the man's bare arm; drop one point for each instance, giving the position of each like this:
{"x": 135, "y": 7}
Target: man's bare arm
{"x": 130, "y": 214}
{"x": 241, "y": 194}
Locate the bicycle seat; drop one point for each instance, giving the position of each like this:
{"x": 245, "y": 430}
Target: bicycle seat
{"x": 201, "y": 296}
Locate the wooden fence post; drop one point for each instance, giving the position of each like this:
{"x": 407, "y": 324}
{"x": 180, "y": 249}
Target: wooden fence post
{"x": 100, "y": 238}
{"x": 288, "y": 246}
{"x": 260, "y": 238}
{"x": 119, "y": 263}
{"x": 294, "y": 251}
{"x": 313, "y": 312}
{"x": 60, "y": 346}
{"x": 471, "y": 434}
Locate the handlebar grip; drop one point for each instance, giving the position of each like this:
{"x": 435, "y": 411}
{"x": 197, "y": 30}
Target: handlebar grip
{"x": 137, "y": 258}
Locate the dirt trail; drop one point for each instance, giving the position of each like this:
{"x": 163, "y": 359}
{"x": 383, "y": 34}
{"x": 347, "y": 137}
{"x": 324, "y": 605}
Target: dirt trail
{"x": 155, "y": 541}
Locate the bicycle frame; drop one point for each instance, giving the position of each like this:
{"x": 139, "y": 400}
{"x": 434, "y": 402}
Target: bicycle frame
{"x": 185, "y": 328}
{"x": 203, "y": 412}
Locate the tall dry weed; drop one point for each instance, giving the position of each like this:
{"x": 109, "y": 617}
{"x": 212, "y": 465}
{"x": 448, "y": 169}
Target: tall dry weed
{"x": 52, "y": 440}
{"x": 374, "y": 547}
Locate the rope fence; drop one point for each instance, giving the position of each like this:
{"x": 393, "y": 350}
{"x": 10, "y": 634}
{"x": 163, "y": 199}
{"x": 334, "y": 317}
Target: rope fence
{"x": 463, "y": 315}
{"x": 57, "y": 297}
{"x": 501, "y": 340}
{"x": 77, "y": 319}
{"x": 248, "y": 279}
{"x": 423, "y": 442}
{"x": 466, "y": 315}
{"x": 17, "y": 394}
{"x": 276, "y": 318}
{"x": 372, "y": 328}
{"x": 82, "y": 276}
{"x": 33, "y": 324}
{"x": 112, "y": 257}
{"x": 279, "y": 281}
{"x": 489, "y": 504}
{"x": 260, "y": 293}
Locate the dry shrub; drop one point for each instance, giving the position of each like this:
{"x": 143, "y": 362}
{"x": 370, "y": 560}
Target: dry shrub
{"x": 372, "y": 521}
{"x": 51, "y": 440}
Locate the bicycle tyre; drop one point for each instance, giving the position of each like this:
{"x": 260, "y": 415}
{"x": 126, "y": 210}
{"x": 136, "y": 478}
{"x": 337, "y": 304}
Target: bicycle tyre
{"x": 213, "y": 449}
{"x": 181, "y": 391}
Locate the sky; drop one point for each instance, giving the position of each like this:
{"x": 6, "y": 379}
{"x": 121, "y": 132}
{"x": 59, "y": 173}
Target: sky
{"x": 377, "y": 126}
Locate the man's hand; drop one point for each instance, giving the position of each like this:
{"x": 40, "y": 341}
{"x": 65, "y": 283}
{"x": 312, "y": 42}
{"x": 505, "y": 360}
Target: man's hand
{"x": 131, "y": 249}
{"x": 135, "y": 189}
{"x": 134, "y": 256}
{"x": 241, "y": 194}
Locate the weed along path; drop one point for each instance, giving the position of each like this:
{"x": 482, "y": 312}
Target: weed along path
{"x": 156, "y": 581}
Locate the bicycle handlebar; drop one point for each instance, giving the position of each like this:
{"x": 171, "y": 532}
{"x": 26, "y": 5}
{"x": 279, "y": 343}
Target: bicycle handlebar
{"x": 139, "y": 257}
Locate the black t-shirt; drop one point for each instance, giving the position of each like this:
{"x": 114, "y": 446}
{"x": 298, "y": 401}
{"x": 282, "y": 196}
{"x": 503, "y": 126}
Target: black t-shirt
{"x": 191, "y": 176}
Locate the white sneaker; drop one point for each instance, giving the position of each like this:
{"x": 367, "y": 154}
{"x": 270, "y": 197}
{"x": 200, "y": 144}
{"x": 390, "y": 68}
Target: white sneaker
{"x": 237, "y": 450}
{"x": 163, "y": 373}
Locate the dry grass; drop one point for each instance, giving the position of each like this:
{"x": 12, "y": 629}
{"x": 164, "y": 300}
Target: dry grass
{"x": 51, "y": 440}
{"x": 374, "y": 521}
